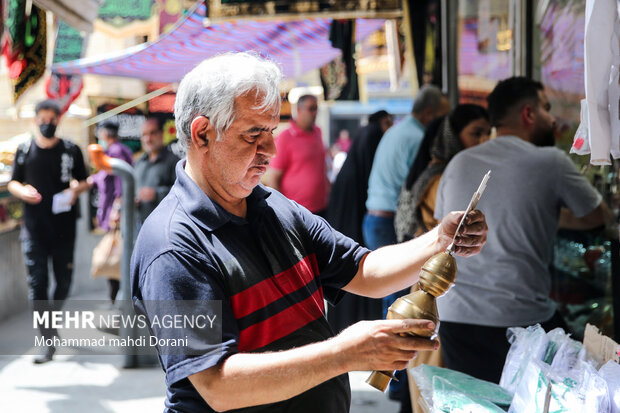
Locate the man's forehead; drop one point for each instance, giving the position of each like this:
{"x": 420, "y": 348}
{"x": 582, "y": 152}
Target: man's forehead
{"x": 249, "y": 107}
{"x": 46, "y": 113}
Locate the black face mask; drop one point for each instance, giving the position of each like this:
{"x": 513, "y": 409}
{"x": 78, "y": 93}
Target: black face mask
{"x": 47, "y": 130}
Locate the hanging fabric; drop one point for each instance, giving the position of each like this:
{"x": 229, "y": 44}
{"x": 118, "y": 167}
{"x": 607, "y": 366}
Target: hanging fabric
{"x": 599, "y": 131}
{"x": 24, "y": 44}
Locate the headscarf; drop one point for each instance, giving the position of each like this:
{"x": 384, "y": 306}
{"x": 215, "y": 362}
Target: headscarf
{"x": 444, "y": 145}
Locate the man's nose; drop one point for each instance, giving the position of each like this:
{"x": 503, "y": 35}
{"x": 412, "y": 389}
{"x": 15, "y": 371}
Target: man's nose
{"x": 267, "y": 145}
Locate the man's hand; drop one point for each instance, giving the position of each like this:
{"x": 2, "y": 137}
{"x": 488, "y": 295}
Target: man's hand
{"x": 378, "y": 345}
{"x": 30, "y": 195}
{"x": 146, "y": 194}
{"x": 472, "y": 236}
{"x": 74, "y": 194}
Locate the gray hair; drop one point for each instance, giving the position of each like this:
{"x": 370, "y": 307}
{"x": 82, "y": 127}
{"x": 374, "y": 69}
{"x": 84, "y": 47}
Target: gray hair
{"x": 429, "y": 96}
{"x": 211, "y": 87}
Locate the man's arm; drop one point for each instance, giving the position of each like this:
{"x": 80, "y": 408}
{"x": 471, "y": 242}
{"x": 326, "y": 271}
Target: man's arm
{"x": 26, "y": 193}
{"x": 273, "y": 178}
{"x": 396, "y": 267}
{"x": 598, "y": 217}
{"x": 76, "y": 188}
{"x": 272, "y": 377}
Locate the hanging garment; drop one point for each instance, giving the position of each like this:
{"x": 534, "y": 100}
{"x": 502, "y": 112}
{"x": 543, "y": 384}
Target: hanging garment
{"x": 599, "y": 131}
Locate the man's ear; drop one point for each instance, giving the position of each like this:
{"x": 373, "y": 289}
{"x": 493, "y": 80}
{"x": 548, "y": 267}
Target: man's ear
{"x": 201, "y": 130}
{"x": 528, "y": 115}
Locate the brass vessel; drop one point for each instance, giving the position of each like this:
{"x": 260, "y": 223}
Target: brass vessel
{"x": 436, "y": 277}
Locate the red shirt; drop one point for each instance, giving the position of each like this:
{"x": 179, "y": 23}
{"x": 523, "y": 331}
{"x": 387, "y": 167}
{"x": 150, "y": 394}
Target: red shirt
{"x": 301, "y": 158}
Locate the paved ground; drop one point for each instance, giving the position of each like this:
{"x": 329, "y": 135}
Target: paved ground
{"x": 99, "y": 384}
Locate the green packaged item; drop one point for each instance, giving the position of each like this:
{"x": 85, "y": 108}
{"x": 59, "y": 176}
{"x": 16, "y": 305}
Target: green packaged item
{"x": 447, "y": 398}
{"x": 465, "y": 384}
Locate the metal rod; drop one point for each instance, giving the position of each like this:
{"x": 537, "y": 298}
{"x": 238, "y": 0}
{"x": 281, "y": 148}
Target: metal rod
{"x": 103, "y": 116}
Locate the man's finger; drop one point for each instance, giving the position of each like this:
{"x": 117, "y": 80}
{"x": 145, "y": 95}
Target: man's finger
{"x": 469, "y": 241}
{"x": 410, "y": 324}
{"x": 474, "y": 216}
{"x": 410, "y": 343}
{"x": 467, "y": 251}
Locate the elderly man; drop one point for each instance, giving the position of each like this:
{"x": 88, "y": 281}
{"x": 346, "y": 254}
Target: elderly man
{"x": 220, "y": 235}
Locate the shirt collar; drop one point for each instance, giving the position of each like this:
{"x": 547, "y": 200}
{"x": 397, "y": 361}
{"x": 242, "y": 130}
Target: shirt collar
{"x": 205, "y": 212}
{"x": 417, "y": 122}
{"x": 299, "y": 131}
{"x": 161, "y": 155}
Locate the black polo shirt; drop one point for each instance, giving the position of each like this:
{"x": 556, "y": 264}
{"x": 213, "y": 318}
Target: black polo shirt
{"x": 271, "y": 271}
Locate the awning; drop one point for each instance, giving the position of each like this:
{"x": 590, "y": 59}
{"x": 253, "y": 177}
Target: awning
{"x": 298, "y": 46}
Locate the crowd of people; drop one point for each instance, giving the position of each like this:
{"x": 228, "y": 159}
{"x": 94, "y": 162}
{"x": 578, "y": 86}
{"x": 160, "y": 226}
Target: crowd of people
{"x": 272, "y": 252}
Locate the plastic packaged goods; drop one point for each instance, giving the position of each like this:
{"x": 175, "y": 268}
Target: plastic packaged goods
{"x": 610, "y": 372}
{"x": 537, "y": 393}
{"x": 567, "y": 357}
{"x": 531, "y": 393}
{"x": 447, "y": 398}
{"x": 541, "y": 389}
{"x": 526, "y": 344}
{"x": 463, "y": 383}
{"x": 595, "y": 390}
{"x": 556, "y": 337}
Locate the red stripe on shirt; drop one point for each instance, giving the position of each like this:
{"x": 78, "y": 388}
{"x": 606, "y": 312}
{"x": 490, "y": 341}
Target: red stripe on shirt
{"x": 269, "y": 290}
{"x": 283, "y": 323}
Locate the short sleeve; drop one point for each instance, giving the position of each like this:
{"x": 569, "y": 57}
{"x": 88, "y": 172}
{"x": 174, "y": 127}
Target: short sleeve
{"x": 281, "y": 160}
{"x": 176, "y": 278}
{"x": 79, "y": 168}
{"x": 575, "y": 191}
{"x": 338, "y": 256}
{"x": 19, "y": 169}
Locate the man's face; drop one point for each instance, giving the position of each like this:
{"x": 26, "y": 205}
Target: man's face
{"x": 152, "y": 138}
{"x": 544, "y": 128}
{"x": 236, "y": 163}
{"x": 46, "y": 116}
{"x": 306, "y": 113}
{"x": 430, "y": 114}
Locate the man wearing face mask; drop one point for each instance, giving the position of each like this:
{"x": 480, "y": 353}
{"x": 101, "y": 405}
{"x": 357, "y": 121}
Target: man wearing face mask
{"x": 48, "y": 176}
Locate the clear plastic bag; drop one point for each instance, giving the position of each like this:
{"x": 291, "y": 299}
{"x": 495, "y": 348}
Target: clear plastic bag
{"x": 556, "y": 337}
{"x": 541, "y": 386}
{"x": 567, "y": 356}
{"x": 610, "y": 372}
{"x": 595, "y": 390}
{"x": 526, "y": 344}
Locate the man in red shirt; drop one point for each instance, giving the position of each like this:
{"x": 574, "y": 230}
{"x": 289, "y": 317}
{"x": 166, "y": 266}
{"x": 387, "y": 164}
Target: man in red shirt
{"x": 298, "y": 171}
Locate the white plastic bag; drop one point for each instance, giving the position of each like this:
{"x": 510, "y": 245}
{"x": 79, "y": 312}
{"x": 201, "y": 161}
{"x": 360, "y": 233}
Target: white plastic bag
{"x": 526, "y": 344}
{"x": 610, "y": 372}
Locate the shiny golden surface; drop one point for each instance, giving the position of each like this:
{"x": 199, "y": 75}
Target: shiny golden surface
{"x": 420, "y": 305}
{"x": 436, "y": 277}
{"x": 438, "y": 274}
{"x": 379, "y": 380}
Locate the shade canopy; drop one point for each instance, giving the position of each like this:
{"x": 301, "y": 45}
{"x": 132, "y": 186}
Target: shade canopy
{"x": 298, "y": 46}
